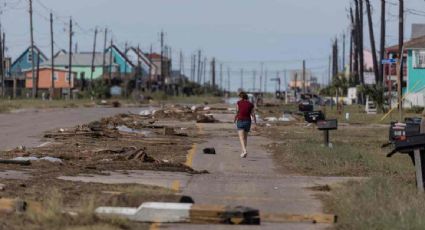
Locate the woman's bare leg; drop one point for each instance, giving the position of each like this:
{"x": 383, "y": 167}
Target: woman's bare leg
{"x": 245, "y": 137}
{"x": 242, "y": 140}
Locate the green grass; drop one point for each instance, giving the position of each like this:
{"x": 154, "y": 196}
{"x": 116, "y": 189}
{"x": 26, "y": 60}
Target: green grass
{"x": 390, "y": 202}
{"x": 386, "y": 199}
{"x": 356, "y": 152}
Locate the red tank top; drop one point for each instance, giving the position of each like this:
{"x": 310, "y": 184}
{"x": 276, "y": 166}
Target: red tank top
{"x": 244, "y": 110}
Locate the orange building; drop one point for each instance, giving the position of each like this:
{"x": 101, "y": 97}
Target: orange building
{"x": 45, "y": 78}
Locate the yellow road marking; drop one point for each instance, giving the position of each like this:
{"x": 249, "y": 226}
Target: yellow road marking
{"x": 175, "y": 186}
{"x": 190, "y": 155}
{"x": 154, "y": 226}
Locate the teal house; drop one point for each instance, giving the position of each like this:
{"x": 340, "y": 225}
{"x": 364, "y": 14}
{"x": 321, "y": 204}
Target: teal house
{"x": 24, "y": 61}
{"x": 120, "y": 60}
{"x": 82, "y": 62}
{"x": 415, "y": 91}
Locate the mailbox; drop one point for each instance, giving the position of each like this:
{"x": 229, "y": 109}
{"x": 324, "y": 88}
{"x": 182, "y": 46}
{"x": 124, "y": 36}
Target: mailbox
{"x": 409, "y": 144}
{"x": 314, "y": 117}
{"x": 400, "y": 131}
{"x": 327, "y": 125}
{"x": 306, "y": 106}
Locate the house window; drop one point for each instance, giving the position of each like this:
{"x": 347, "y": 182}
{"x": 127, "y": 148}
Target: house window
{"x": 55, "y": 77}
{"x": 419, "y": 59}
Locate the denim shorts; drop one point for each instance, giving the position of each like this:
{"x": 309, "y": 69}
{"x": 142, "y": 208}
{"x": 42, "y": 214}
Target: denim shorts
{"x": 244, "y": 125}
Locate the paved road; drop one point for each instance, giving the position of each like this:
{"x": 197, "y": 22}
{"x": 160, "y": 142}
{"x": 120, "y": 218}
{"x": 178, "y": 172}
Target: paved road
{"x": 252, "y": 182}
{"x": 26, "y": 127}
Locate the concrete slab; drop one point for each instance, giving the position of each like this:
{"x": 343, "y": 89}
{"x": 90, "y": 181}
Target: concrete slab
{"x": 15, "y": 175}
{"x": 171, "y": 180}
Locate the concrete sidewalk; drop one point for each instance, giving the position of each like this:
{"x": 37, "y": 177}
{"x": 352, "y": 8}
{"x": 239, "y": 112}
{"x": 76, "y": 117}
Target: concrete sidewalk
{"x": 252, "y": 182}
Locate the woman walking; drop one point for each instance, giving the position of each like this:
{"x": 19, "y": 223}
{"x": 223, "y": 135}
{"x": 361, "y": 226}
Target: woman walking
{"x": 245, "y": 113}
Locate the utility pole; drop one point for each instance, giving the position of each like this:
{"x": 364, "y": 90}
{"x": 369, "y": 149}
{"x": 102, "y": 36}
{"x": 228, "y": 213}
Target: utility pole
{"x": 4, "y": 57}
{"x": 221, "y": 76}
{"x": 125, "y": 65}
{"x": 241, "y": 79}
{"x": 351, "y": 41}
{"x": 343, "y": 52}
{"x": 162, "y": 57}
{"x": 372, "y": 43}
{"x": 285, "y": 81}
{"x": 382, "y": 48}
{"x": 205, "y": 70}
{"x": 213, "y": 74}
{"x": 37, "y": 73}
{"x": 400, "y": 51}
{"x": 32, "y": 51}
{"x": 304, "y": 90}
{"x": 104, "y": 51}
{"x": 180, "y": 62}
{"x": 228, "y": 80}
{"x": 261, "y": 76}
{"x": 110, "y": 63}
{"x": 2, "y": 72}
{"x": 52, "y": 89}
{"x": 199, "y": 67}
{"x": 329, "y": 68}
{"x": 265, "y": 81}
{"x": 254, "y": 79}
{"x": 70, "y": 60}
{"x": 92, "y": 59}
{"x": 361, "y": 48}
{"x": 355, "y": 67}
{"x": 335, "y": 59}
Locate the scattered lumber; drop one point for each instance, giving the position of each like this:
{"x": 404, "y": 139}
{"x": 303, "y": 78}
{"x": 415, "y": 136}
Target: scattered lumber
{"x": 16, "y": 162}
{"x": 185, "y": 213}
{"x": 314, "y": 218}
{"x": 8, "y": 206}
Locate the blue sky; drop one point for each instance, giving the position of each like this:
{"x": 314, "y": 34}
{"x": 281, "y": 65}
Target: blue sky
{"x": 239, "y": 33}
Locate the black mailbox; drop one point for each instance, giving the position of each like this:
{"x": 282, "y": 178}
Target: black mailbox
{"x": 327, "y": 125}
{"x": 314, "y": 117}
{"x": 401, "y": 130}
{"x": 306, "y": 106}
{"x": 409, "y": 144}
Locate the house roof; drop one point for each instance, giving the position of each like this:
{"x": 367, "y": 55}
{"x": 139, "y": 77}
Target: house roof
{"x": 122, "y": 55}
{"x": 418, "y": 30}
{"x": 415, "y": 43}
{"x": 47, "y": 67}
{"x": 143, "y": 56}
{"x": 23, "y": 53}
{"x": 156, "y": 56}
{"x": 80, "y": 59}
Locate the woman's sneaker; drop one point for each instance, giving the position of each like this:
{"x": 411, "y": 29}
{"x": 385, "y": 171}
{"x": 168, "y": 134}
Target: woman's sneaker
{"x": 244, "y": 155}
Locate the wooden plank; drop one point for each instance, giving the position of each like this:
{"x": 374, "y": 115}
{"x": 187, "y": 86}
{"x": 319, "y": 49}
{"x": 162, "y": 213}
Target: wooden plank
{"x": 314, "y": 218}
{"x": 12, "y": 205}
{"x": 207, "y": 210}
{"x": 16, "y": 162}
{"x": 418, "y": 167}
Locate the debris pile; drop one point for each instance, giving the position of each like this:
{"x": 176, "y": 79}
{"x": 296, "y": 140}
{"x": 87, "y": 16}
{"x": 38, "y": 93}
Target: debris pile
{"x": 122, "y": 142}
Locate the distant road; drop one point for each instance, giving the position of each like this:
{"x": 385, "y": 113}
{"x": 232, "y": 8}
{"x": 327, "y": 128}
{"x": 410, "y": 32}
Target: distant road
{"x": 26, "y": 127}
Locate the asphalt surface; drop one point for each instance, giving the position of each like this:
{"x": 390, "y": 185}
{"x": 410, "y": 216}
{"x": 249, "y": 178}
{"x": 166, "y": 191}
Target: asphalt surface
{"x": 25, "y": 128}
{"x": 252, "y": 182}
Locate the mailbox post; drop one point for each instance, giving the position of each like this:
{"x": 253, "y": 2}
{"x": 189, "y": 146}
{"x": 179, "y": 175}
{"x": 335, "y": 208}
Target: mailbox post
{"x": 413, "y": 144}
{"x": 326, "y": 126}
